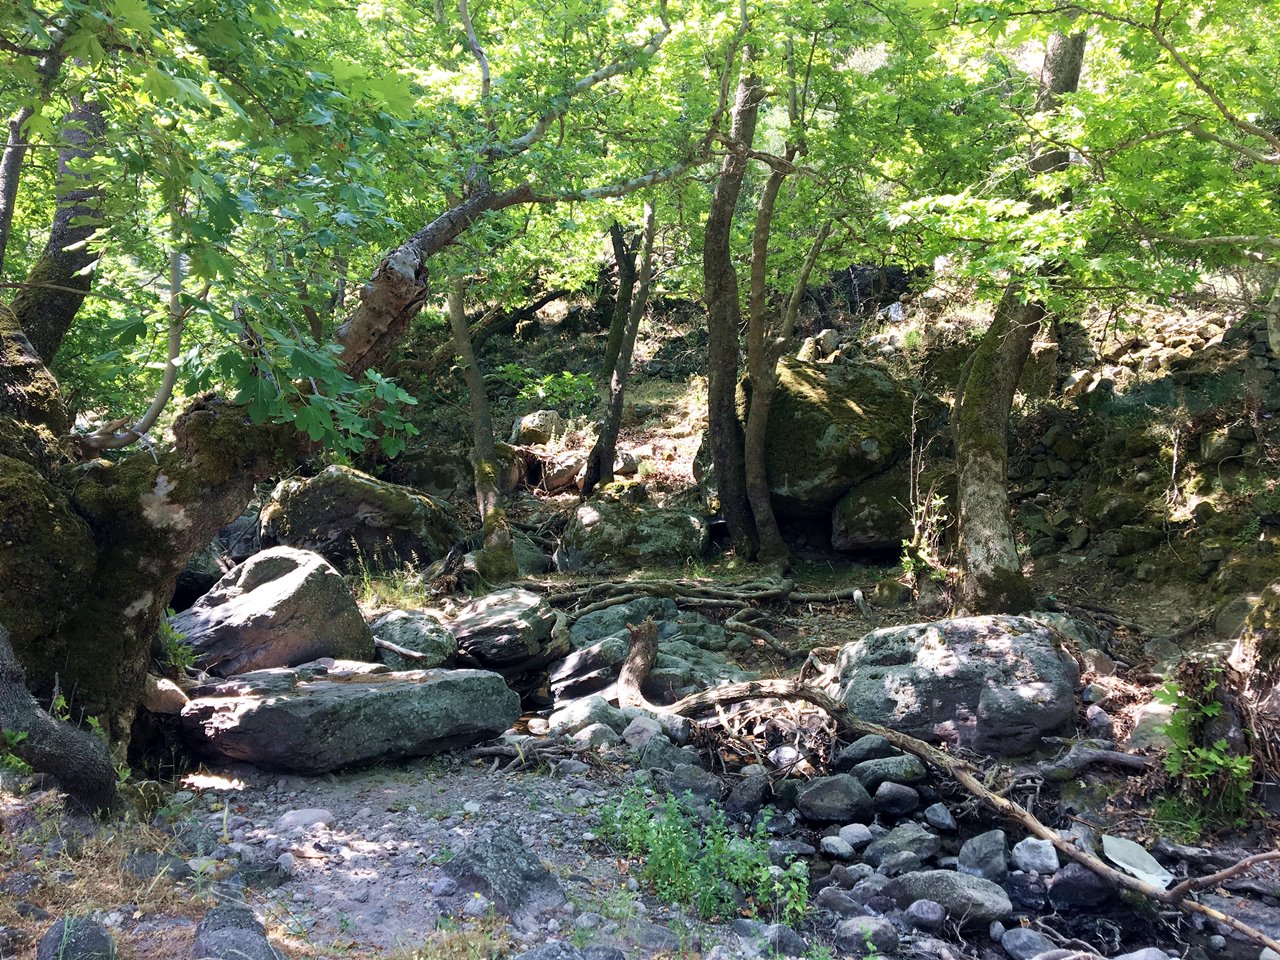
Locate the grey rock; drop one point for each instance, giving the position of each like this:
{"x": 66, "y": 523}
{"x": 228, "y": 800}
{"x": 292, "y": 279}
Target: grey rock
{"x": 835, "y": 799}
{"x": 991, "y": 684}
{"x": 579, "y": 714}
{"x": 693, "y": 780}
{"x": 835, "y": 847}
{"x": 748, "y": 795}
{"x": 317, "y": 718}
{"x": 986, "y": 856}
{"x": 857, "y": 835}
{"x": 1146, "y": 953}
{"x": 904, "y": 769}
{"x": 1022, "y": 943}
{"x": 1099, "y": 723}
{"x": 871, "y": 747}
{"x": 966, "y": 899}
{"x": 417, "y": 631}
{"x": 840, "y": 902}
{"x": 1076, "y": 887}
{"x": 927, "y": 915}
{"x": 864, "y": 936}
{"x": 509, "y": 631}
{"x": 497, "y": 865}
{"x": 354, "y": 519}
{"x": 553, "y": 950}
{"x": 541, "y": 426}
{"x": 895, "y": 799}
{"x": 909, "y": 837}
{"x": 771, "y": 939}
{"x": 1035, "y": 856}
{"x": 939, "y": 817}
{"x": 280, "y": 608}
{"x": 598, "y": 735}
{"x": 148, "y": 864}
{"x": 232, "y": 933}
{"x": 76, "y": 938}
{"x": 896, "y": 864}
{"x": 661, "y": 754}
{"x": 782, "y": 852}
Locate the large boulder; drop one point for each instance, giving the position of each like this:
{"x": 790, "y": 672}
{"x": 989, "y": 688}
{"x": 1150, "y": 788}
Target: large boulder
{"x": 831, "y": 426}
{"x": 354, "y": 519}
{"x": 279, "y": 608}
{"x": 332, "y": 714}
{"x": 607, "y": 535}
{"x": 990, "y": 684}
{"x": 510, "y": 631}
{"x": 876, "y": 514}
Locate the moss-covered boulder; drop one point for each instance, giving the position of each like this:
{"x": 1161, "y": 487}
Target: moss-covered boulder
{"x": 833, "y": 425}
{"x": 876, "y": 514}
{"x": 607, "y": 535}
{"x": 353, "y": 519}
{"x": 47, "y": 559}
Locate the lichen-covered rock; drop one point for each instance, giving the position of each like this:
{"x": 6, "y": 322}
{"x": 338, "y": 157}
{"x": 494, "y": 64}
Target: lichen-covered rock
{"x": 417, "y": 631}
{"x": 966, "y": 899}
{"x": 333, "y": 714}
{"x": 352, "y": 519}
{"x": 607, "y": 535}
{"x": 279, "y": 608}
{"x": 876, "y": 513}
{"x": 831, "y": 426}
{"x": 991, "y": 684}
{"x": 497, "y": 865}
{"x": 541, "y": 426}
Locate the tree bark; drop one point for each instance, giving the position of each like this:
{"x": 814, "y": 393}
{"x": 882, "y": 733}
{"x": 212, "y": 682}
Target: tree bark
{"x": 626, "y": 260}
{"x": 46, "y": 307}
{"x": 600, "y": 460}
{"x": 15, "y": 151}
{"x": 991, "y": 579}
{"x": 496, "y": 559}
{"x": 720, "y": 283}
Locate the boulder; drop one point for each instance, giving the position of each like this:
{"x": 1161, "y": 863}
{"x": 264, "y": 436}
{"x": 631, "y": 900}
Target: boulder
{"x": 606, "y": 535}
{"x": 991, "y": 684}
{"x": 966, "y": 899}
{"x": 279, "y": 608}
{"x": 876, "y": 514}
{"x": 232, "y": 933}
{"x": 831, "y": 426}
{"x": 541, "y": 426}
{"x": 199, "y": 576}
{"x": 418, "y": 631}
{"x": 76, "y": 938}
{"x": 327, "y": 715}
{"x": 354, "y": 519}
{"x": 509, "y": 631}
{"x": 836, "y": 799}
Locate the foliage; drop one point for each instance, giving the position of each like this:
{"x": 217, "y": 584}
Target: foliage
{"x": 9, "y": 739}
{"x": 706, "y": 866}
{"x": 570, "y": 392}
{"x": 178, "y": 652}
{"x": 1210, "y": 774}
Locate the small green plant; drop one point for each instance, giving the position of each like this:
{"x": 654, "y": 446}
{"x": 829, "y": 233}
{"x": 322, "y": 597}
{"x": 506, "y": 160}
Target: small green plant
{"x": 9, "y": 739}
{"x": 177, "y": 650}
{"x": 1210, "y": 774}
{"x": 574, "y": 392}
{"x": 703, "y": 866}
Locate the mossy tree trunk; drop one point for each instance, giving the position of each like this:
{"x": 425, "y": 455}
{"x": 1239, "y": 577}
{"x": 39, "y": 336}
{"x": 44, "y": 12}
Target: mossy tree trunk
{"x": 724, "y": 313}
{"x": 991, "y": 579}
{"x": 624, "y": 255}
{"x": 599, "y": 468}
{"x": 496, "y": 559}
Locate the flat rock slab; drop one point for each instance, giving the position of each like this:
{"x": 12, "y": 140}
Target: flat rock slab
{"x": 321, "y": 717}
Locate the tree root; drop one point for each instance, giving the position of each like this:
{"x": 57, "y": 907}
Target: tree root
{"x": 961, "y": 772}
{"x": 738, "y": 624}
{"x": 1082, "y": 755}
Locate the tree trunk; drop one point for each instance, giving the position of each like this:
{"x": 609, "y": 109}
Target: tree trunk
{"x": 600, "y": 461}
{"x": 496, "y": 559}
{"x": 720, "y": 282}
{"x": 58, "y": 282}
{"x": 626, "y": 260}
{"x": 15, "y": 151}
{"x": 991, "y": 579}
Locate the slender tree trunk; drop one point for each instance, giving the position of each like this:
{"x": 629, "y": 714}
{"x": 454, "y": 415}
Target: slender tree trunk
{"x": 626, "y": 260}
{"x": 720, "y": 282}
{"x": 62, "y": 276}
{"x": 15, "y": 151}
{"x": 991, "y": 579}
{"x": 600, "y": 460}
{"x": 496, "y": 559}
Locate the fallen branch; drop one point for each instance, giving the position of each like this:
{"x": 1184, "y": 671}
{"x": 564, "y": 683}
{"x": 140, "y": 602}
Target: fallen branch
{"x": 402, "y": 651}
{"x": 958, "y": 770}
{"x": 737, "y": 624}
{"x": 1082, "y": 755}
